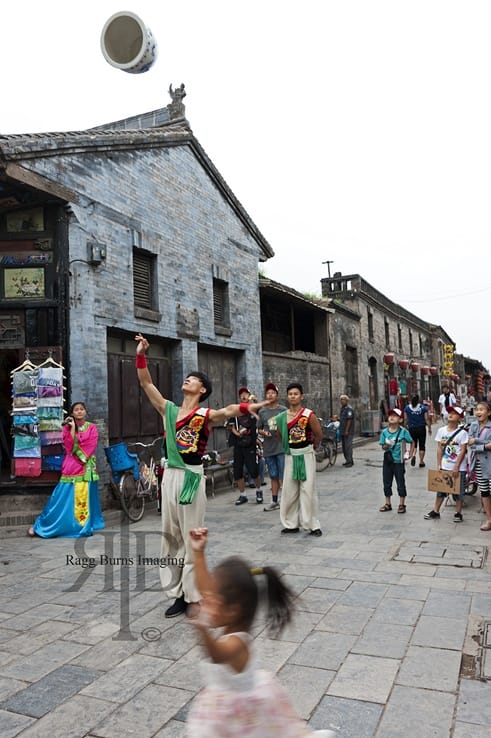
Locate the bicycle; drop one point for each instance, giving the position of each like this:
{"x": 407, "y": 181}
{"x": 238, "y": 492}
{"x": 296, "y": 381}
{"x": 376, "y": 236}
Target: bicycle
{"x": 135, "y": 480}
{"x": 326, "y": 453}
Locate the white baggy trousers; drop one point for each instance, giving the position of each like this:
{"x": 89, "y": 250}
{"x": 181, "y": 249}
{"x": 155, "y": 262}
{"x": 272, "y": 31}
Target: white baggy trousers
{"x": 177, "y": 521}
{"x": 299, "y": 503}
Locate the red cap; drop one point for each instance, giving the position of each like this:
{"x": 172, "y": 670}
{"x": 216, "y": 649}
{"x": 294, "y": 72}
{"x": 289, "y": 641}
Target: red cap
{"x": 395, "y": 411}
{"x": 455, "y": 409}
{"x": 243, "y": 389}
{"x": 271, "y": 386}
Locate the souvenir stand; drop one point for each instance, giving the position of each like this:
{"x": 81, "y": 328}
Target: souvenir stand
{"x": 37, "y": 418}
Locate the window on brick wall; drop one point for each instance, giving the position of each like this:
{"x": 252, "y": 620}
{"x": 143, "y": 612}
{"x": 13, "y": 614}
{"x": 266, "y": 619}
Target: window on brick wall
{"x": 221, "y": 309}
{"x": 351, "y": 371}
{"x": 387, "y": 333}
{"x": 144, "y": 292}
{"x": 370, "y": 324}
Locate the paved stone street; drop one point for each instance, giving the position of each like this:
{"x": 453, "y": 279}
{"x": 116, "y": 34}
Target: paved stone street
{"x": 391, "y": 637}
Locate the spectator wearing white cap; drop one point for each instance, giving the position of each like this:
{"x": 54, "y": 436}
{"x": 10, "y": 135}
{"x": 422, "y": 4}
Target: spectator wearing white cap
{"x": 451, "y": 456}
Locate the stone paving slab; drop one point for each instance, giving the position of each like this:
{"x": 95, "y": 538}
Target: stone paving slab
{"x": 72, "y": 719}
{"x": 346, "y": 619}
{"x": 389, "y": 640}
{"x": 150, "y": 709}
{"x": 397, "y": 611}
{"x": 411, "y": 711}
{"x": 44, "y": 695}
{"x": 366, "y": 678}
{"x": 306, "y": 686}
{"x": 430, "y": 668}
{"x": 126, "y": 679}
{"x": 438, "y": 632}
{"x": 474, "y": 703}
{"x": 446, "y": 604}
{"x": 11, "y": 724}
{"x": 348, "y": 718}
{"x": 48, "y": 658}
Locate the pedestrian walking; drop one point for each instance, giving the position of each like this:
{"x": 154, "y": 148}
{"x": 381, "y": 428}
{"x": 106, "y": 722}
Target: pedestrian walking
{"x": 347, "y": 429}
{"x": 417, "y": 420}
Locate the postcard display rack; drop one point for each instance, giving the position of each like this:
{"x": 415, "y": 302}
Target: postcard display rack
{"x": 37, "y": 418}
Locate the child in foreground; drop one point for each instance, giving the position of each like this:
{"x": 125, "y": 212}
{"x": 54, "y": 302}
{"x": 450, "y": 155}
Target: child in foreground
{"x": 239, "y": 699}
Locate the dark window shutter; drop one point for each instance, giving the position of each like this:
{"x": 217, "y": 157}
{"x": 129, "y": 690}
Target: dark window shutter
{"x": 142, "y": 279}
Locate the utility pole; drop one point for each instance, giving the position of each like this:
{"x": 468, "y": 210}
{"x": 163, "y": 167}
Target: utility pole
{"x": 328, "y": 267}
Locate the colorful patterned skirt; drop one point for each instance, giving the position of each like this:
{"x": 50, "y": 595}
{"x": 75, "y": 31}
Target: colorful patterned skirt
{"x": 72, "y": 511}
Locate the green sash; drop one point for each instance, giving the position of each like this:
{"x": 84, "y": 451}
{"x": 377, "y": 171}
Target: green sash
{"x": 299, "y": 470}
{"x": 191, "y": 479}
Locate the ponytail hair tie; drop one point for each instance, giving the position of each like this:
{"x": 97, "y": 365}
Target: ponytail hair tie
{"x": 258, "y": 571}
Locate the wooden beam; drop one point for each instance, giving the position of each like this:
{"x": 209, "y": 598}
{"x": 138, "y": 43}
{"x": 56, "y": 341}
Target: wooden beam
{"x": 38, "y": 182}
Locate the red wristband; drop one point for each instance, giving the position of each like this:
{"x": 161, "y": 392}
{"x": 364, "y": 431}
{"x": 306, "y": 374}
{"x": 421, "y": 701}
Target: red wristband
{"x": 244, "y": 408}
{"x": 141, "y": 361}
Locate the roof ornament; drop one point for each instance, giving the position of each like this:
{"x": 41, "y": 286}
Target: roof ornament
{"x": 176, "y": 108}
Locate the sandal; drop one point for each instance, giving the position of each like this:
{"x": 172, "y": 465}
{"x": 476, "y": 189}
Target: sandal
{"x": 485, "y": 526}
{"x": 401, "y": 509}
{"x": 386, "y": 507}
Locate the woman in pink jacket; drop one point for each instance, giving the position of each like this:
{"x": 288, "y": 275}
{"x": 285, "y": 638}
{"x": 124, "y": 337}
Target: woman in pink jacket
{"x": 74, "y": 509}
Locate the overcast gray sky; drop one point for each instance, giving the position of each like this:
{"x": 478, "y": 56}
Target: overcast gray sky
{"x": 356, "y": 131}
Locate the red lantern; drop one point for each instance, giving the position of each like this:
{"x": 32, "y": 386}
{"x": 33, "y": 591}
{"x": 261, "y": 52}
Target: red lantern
{"x": 389, "y": 358}
{"x": 403, "y": 363}
{"x": 433, "y": 371}
{"x": 414, "y": 366}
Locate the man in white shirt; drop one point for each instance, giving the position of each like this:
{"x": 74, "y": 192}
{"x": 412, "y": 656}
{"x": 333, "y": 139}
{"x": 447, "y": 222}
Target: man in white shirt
{"x": 447, "y": 399}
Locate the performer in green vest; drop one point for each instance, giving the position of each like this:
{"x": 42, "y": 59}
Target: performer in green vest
{"x": 183, "y": 487}
{"x": 300, "y": 431}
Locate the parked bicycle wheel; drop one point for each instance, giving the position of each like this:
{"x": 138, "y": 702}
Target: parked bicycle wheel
{"x": 132, "y": 503}
{"x": 323, "y": 455}
{"x": 334, "y": 453}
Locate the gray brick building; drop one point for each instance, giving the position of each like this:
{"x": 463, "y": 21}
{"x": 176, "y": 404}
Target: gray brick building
{"x": 131, "y": 228}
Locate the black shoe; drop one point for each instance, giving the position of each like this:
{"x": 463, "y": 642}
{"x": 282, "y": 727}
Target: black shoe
{"x": 241, "y": 500}
{"x": 259, "y": 497}
{"x": 432, "y": 515}
{"x": 251, "y": 486}
{"x": 348, "y": 463}
{"x": 178, "y": 608}
{"x": 413, "y": 460}
{"x": 458, "y": 518}
{"x": 317, "y": 532}
{"x": 290, "y": 530}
